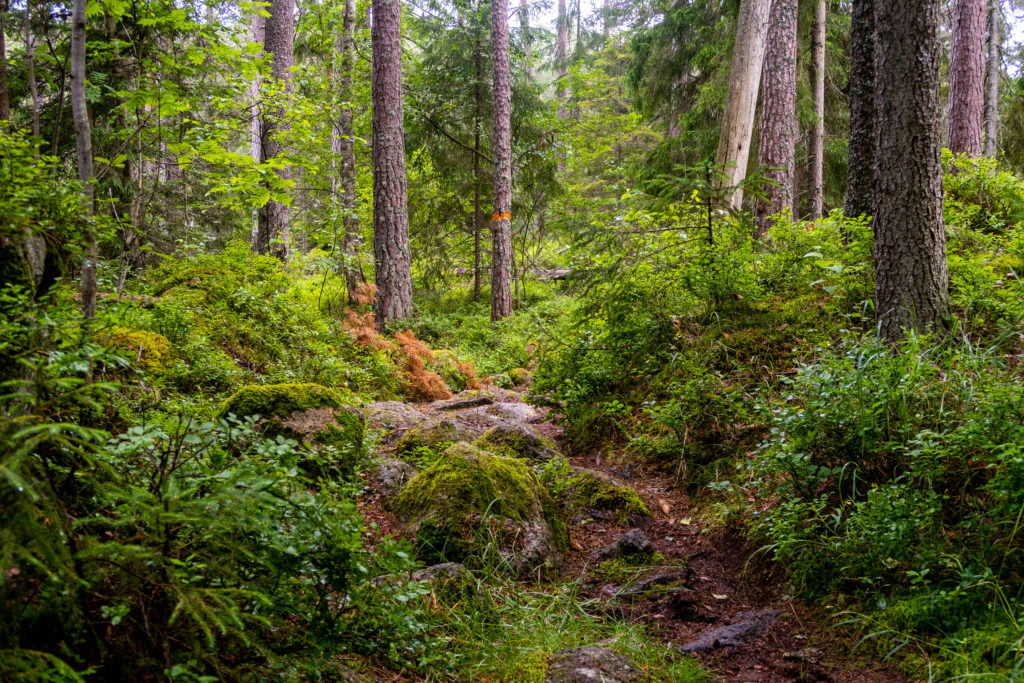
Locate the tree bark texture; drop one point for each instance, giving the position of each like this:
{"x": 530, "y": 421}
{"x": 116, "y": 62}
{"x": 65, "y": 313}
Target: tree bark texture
{"x": 273, "y": 237}
{"x": 257, "y": 35}
{"x": 912, "y": 280}
{"x": 860, "y": 165}
{"x": 741, "y": 98}
{"x": 995, "y": 43}
{"x": 778, "y": 112}
{"x": 30, "y": 62}
{"x": 817, "y": 175}
{"x": 5, "y": 89}
{"x": 346, "y": 148}
{"x": 390, "y": 211}
{"x": 524, "y": 26}
{"x": 83, "y": 147}
{"x": 967, "y": 78}
{"x": 562, "y": 56}
{"x": 478, "y": 115}
{"x": 501, "y": 225}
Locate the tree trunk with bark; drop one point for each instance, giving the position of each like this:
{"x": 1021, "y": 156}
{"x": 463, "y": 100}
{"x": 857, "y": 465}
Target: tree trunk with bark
{"x": 967, "y": 79}
{"x": 524, "y": 25}
{"x": 30, "y": 63}
{"x": 741, "y": 99}
{"x": 817, "y": 143}
{"x": 501, "y": 226}
{"x": 860, "y": 165}
{"x": 995, "y": 43}
{"x": 912, "y": 279}
{"x": 272, "y": 234}
{"x": 393, "y": 257}
{"x": 346, "y": 148}
{"x": 83, "y": 145}
{"x": 257, "y": 34}
{"x": 562, "y": 56}
{"x": 778, "y": 112}
{"x": 5, "y": 89}
{"x": 478, "y": 115}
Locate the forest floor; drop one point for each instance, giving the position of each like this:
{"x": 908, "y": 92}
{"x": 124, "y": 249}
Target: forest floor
{"x": 705, "y": 577}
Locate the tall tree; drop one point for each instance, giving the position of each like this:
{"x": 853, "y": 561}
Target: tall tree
{"x": 345, "y": 148}
{"x": 478, "y": 115}
{"x": 967, "y": 78}
{"x": 741, "y": 99}
{"x": 30, "y": 63}
{"x": 83, "y": 145}
{"x": 561, "y": 55}
{"x": 278, "y": 42}
{"x": 817, "y": 175}
{"x": 994, "y": 70}
{"x": 5, "y": 89}
{"x": 860, "y": 165}
{"x": 912, "y": 278}
{"x": 778, "y": 111}
{"x": 257, "y": 33}
{"x": 501, "y": 225}
{"x": 393, "y": 258}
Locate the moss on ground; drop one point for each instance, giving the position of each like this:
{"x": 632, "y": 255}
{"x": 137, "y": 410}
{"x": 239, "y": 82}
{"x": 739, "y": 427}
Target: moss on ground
{"x": 146, "y": 349}
{"x": 430, "y": 435}
{"x": 594, "y": 490}
{"x": 517, "y": 441}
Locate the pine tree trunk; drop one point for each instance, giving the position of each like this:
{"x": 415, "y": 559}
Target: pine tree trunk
{"x": 257, "y": 35}
{"x": 5, "y": 94}
{"x": 524, "y": 25}
{"x": 347, "y": 148}
{"x": 562, "y": 56}
{"x": 817, "y": 179}
{"x": 741, "y": 99}
{"x": 501, "y": 226}
{"x": 30, "y": 62}
{"x": 912, "y": 280}
{"x": 478, "y": 116}
{"x": 778, "y": 112}
{"x": 278, "y": 41}
{"x": 390, "y": 211}
{"x": 860, "y": 165}
{"x": 83, "y": 144}
{"x": 967, "y": 79}
{"x": 995, "y": 43}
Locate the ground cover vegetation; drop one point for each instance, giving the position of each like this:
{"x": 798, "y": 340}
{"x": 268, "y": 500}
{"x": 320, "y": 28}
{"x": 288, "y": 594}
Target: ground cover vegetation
{"x": 338, "y": 339}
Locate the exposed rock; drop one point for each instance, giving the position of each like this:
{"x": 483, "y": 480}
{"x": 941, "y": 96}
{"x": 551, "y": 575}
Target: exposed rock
{"x": 310, "y": 413}
{"x": 393, "y": 474}
{"x": 437, "y": 431}
{"x": 750, "y": 625}
{"x": 517, "y": 441}
{"x": 672, "y": 578}
{"x": 463, "y": 401}
{"x": 446, "y": 571}
{"x": 470, "y": 501}
{"x": 809, "y": 655}
{"x": 605, "y": 496}
{"x": 633, "y": 542}
{"x": 591, "y": 665}
{"x": 515, "y": 412}
{"x": 392, "y": 415}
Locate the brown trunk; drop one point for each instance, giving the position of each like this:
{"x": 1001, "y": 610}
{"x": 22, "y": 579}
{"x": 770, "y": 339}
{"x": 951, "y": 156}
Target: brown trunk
{"x": 83, "y": 144}
{"x": 817, "y": 142}
{"x": 501, "y": 225}
{"x": 967, "y": 79}
{"x": 390, "y": 211}
{"x": 995, "y": 43}
{"x": 272, "y": 237}
{"x": 347, "y": 149}
{"x": 860, "y": 165}
{"x": 912, "y": 280}
{"x": 5, "y": 95}
{"x": 741, "y": 98}
{"x": 778, "y": 112}
{"x": 477, "y": 123}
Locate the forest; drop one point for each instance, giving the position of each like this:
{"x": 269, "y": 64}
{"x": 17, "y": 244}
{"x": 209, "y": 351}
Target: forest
{"x": 454, "y": 340}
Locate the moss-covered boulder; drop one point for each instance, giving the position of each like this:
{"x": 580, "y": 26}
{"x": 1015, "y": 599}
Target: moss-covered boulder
{"x": 470, "y": 503}
{"x": 312, "y": 414}
{"x": 392, "y": 415}
{"x": 605, "y": 496}
{"x": 431, "y": 434}
{"x": 517, "y": 441}
{"x": 519, "y": 376}
{"x": 145, "y": 349}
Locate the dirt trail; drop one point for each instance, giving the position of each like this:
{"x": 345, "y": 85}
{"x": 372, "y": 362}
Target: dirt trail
{"x": 715, "y": 583}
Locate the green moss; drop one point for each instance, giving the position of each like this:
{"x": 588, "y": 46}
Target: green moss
{"x": 429, "y": 436}
{"x": 146, "y": 349}
{"x": 291, "y": 410}
{"x": 621, "y": 570}
{"x": 519, "y": 376}
{"x": 600, "y": 492}
{"x": 445, "y": 503}
{"x": 446, "y": 364}
{"x": 516, "y": 441}
{"x": 14, "y": 267}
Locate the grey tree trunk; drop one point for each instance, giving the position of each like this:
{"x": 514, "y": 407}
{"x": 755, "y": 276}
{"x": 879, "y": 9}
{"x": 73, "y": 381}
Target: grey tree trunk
{"x": 478, "y": 115}
{"x": 5, "y": 90}
{"x": 778, "y": 112}
{"x": 995, "y": 43}
{"x": 967, "y": 79}
{"x": 83, "y": 145}
{"x": 346, "y": 148}
{"x": 272, "y": 234}
{"x": 817, "y": 179}
{"x": 562, "y": 56}
{"x": 30, "y": 62}
{"x": 257, "y": 35}
{"x": 860, "y": 165}
{"x": 524, "y": 25}
{"x": 501, "y": 226}
{"x": 912, "y": 279}
{"x": 390, "y": 211}
{"x": 741, "y": 99}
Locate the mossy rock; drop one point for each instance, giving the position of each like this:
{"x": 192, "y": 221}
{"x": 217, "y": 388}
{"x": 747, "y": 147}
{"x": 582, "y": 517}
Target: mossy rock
{"x": 598, "y": 492}
{"x": 519, "y": 376}
{"x": 15, "y": 268}
{"x": 312, "y": 414}
{"x": 517, "y": 441}
{"x": 503, "y": 381}
{"x": 147, "y": 350}
{"x": 431, "y": 434}
{"x": 470, "y": 501}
